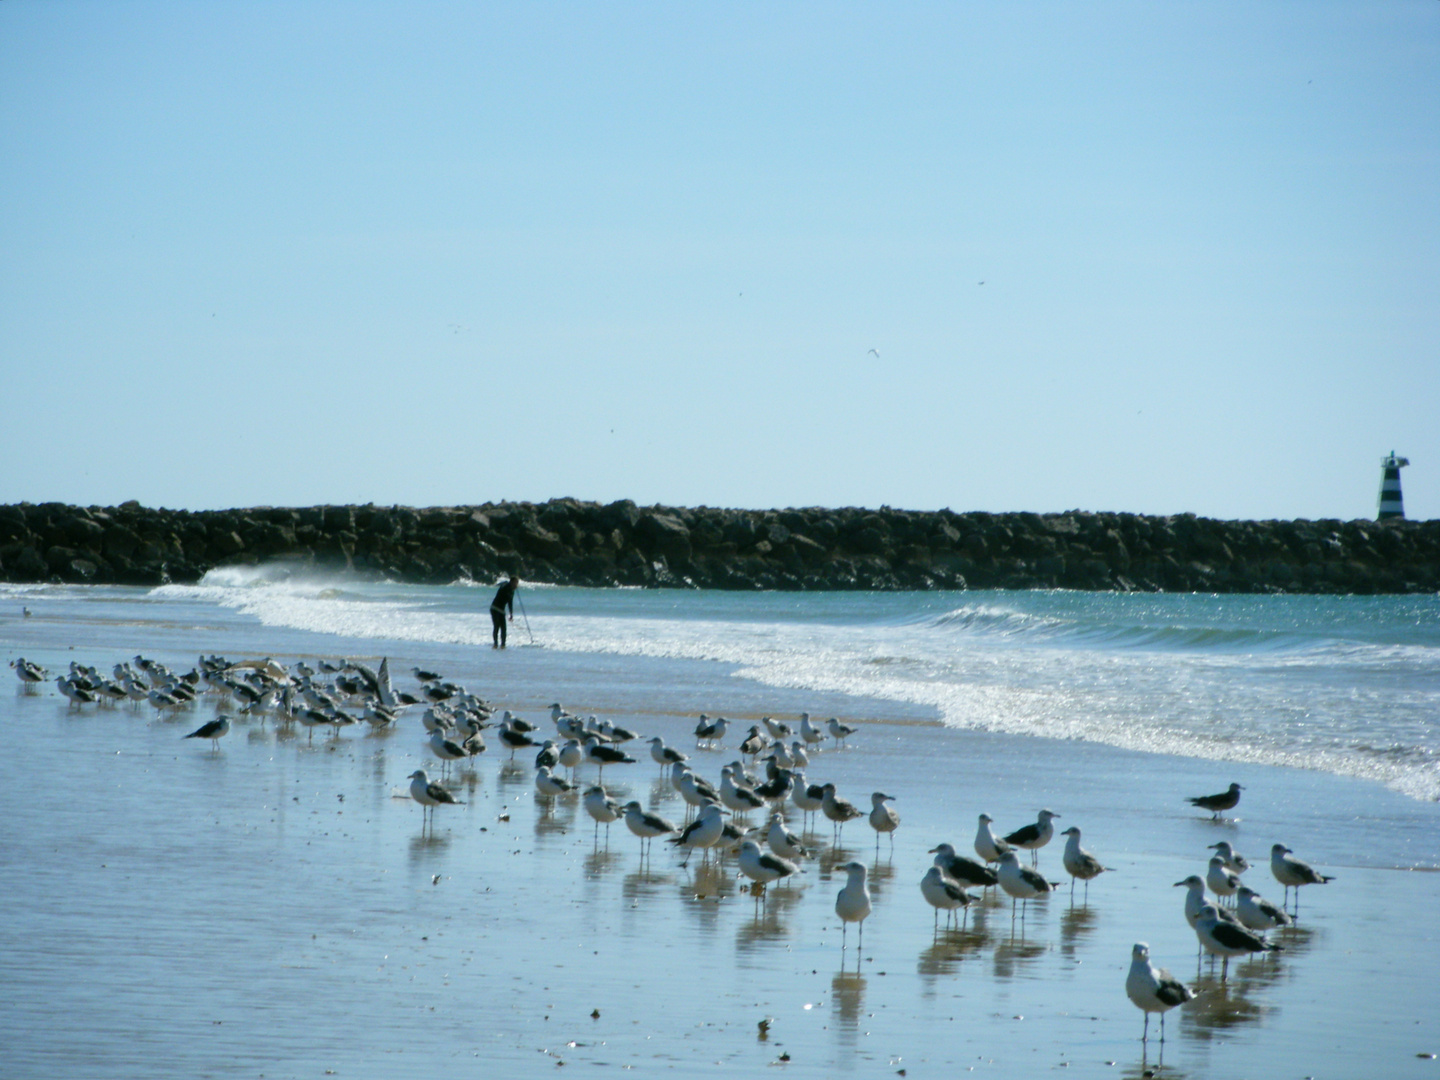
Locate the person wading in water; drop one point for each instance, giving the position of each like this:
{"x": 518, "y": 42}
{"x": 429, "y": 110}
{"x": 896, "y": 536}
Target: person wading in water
{"x": 503, "y": 599}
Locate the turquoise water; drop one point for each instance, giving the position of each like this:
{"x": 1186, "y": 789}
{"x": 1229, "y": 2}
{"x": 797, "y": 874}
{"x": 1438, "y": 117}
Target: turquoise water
{"x": 1348, "y": 685}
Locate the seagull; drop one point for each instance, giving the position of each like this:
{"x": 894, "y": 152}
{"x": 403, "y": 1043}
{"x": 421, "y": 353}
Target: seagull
{"x": 1222, "y": 882}
{"x": 1257, "y": 913}
{"x": 1292, "y": 873}
{"x": 809, "y": 732}
{"x": 1079, "y": 862}
{"x": 447, "y": 750}
{"x": 987, "y": 845}
{"x": 696, "y": 791}
{"x": 852, "y": 903}
{"x": 602, "y": 808}
{"x": 664, "y": 755}
{"x": 1021, "y": 882}
{"x": 807, "y": 797}
{"x": 645, "y": 825}
{"x": 1225, "y": 800}
{"x": 735, "y": 796}
{"x": 883, "y": 819}
{"x": 761, "y": 868}
{"x": 548, "y": 786}
{"x": 873, "y": 353}
{"x": 548, "y": 755}
{"x": 515, "y": 740}
{"x": 962, "y": 870}
{"x": 1233, "y": 859}
{"x": 704, "y": 832}
{"x": 1033, "y": 837}
{"x": 429, "y": 794}
{"x": 602, "y": 754}
{"x": 838, "y": 810}
{"x": 571, "y": 755}
{"x": 710, "y": 731}
{"x": 420, "y": 674}
{"x": 776, "y": 728}
{"x": 215, "y": 730}
{"x": 1227, "y": 939}
{"x": 782, "y": 841}
{"x": 838, "y": 731}
{"x": 943, "y": 894}
{"x": 1153, "y": 989}
{"x": 754, "y": 743}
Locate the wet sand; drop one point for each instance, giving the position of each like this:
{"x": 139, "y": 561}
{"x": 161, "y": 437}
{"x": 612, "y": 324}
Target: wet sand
{"x": 274, "y": 908}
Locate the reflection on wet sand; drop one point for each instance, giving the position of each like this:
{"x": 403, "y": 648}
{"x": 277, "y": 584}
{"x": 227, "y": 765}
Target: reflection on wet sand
{"x": 881, "y": 874}
{"x": 1014, "y": 956}
{"x": 1075, "y": 923}
{"x": 1151, "y": 1065}
{"x": 600, "y": 861}
{"x": 1219, "y": 1007}
{"x": 847, "y": 997}
{"x": 945, "y": 954}
{"x": 425, "y": 845}
{"x": 830, "y": 858}
{"x": 644, "y": 883}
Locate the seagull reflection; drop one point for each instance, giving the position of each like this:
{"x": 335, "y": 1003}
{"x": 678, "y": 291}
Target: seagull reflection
{"x": 426, "y": 844}
{"x": 1015, "y": 955}
{"x": 1220, "y": 1006}
{"x": 765, "y": 928}
{"x": 880, "y": 875}
{"x": 513, "y": 774}
{"x": 945, "y": 953}
{"x": 1075, "y": 923}
{"x": 645, "y": 883}
{"x": 598, "y": 862}
{"x": 847, "y": 994}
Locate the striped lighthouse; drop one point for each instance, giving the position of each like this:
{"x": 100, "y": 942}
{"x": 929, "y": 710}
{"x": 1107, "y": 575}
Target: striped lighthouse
{"x": 1391, "y": 505}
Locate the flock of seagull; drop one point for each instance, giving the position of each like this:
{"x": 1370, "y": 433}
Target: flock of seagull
{"x": 769, "y": 775}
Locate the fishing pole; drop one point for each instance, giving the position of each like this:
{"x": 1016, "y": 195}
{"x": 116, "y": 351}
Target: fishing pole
{"x": 526, "y": 618}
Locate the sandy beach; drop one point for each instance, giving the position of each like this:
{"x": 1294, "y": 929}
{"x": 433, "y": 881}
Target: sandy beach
{"x": 273, "y": 908}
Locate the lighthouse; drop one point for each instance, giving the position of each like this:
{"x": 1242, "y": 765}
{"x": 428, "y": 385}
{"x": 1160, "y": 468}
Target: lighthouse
{"x": 1391, "y": 505}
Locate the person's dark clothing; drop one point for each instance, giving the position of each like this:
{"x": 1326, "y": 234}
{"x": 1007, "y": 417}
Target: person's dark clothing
{"x": 503, "y": 599}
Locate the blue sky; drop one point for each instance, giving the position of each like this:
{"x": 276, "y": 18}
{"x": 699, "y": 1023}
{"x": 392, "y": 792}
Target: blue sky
{"x": 1140, "y": 257}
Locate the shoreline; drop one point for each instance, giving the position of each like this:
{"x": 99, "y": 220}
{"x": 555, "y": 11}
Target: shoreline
{"x": 569, "y": 542}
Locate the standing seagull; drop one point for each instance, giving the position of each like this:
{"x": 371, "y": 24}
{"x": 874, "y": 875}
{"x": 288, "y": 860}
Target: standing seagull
{"x": 883, "y": 819}
{"x": 943, "y": 894}
{"x": 215, "y": 730}
{"x": 1223, "y": 881}
{"x": 1153, "y": 989}
{"x": 761, "y": 868}
{"x": 852, "y": 903}
{"x": 429, "y": 795}
{"x": 1233, "y": 859}
{"x": 645, "y": 825}
{"x": 1021, "y": 882}
{"x": 987, "y": 845}
{"x": 1227, "y": 939}
{"x": 1257, "y": 913}
{"x": 1033, "y": 837}
{"x": 840, "y": 732}
{"x": 1079, "y": 862}
{"x": 1226, "y": 800}
{"x": 838, "y": 810}
{"x": 962, "y": 870}
{"x": 1292, "y": 873}
{"x": 704, "y": 832}
{"x": 600, "y": 806}
{"x": 782, "y": 841}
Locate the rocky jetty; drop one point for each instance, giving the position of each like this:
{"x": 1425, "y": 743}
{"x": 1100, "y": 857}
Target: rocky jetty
{"x": 567, "y": 541}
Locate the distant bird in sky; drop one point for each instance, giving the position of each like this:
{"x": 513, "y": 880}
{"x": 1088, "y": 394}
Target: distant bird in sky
{"x": 875, "y": 353}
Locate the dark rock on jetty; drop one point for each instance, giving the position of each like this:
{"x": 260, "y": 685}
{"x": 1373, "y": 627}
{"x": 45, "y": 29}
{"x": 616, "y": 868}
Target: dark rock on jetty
{"x": 578, "y": 543}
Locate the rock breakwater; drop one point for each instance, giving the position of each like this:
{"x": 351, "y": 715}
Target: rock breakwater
{"x": 570, "y": 542}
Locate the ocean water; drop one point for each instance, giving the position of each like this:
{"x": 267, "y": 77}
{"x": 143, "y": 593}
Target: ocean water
{"x": 1346, "y": 685}
{"x": 273, "y": 907}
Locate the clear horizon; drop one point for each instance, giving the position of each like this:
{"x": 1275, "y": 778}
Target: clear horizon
{"x": 1131, "y": 259}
